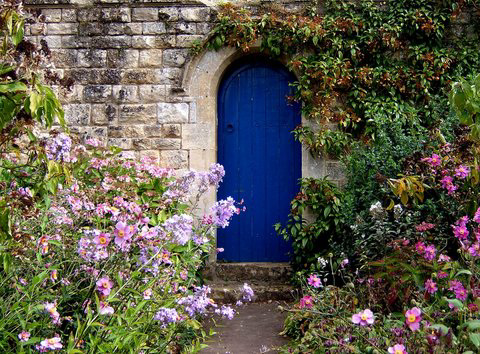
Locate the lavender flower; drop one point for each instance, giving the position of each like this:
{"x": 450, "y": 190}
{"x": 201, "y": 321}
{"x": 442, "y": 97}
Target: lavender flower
{"x": 58, "y": 148}
{"x": 181, "y": 228}
{"x": 166, "y": 316}
{"x": 226, "y": 311}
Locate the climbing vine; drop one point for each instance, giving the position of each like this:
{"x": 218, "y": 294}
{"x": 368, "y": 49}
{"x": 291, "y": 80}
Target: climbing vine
{"x": 362, "y": 64}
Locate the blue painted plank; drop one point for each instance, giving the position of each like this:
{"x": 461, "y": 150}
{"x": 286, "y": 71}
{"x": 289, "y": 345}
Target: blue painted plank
{"x": 262, "y": 161}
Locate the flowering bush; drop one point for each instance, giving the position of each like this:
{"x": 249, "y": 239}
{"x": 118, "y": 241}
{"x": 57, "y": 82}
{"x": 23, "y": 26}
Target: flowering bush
{"x": 110, "y": 261}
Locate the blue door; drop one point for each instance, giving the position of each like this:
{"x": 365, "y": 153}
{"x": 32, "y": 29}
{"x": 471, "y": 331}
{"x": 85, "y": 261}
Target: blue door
{"x": 261, "y": 158}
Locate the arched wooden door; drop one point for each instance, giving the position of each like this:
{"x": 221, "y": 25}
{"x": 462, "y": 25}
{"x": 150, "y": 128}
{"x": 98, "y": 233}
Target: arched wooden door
{"x": 261, "y": 159}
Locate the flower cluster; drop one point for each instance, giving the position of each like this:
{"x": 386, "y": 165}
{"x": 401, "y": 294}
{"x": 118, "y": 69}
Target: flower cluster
{"x": 58, "y": 148}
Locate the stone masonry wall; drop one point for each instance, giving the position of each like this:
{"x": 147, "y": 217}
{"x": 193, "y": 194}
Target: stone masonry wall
{"x": 128, "y": 60}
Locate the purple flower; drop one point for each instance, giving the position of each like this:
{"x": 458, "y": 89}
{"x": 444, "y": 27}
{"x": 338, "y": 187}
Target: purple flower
{"x": 198, "y": 302}
{"x": 344, "y": 263}
{"x": 433, "y": 161}
{"x": 180, "y": 227}
{"x": 413, "y": 318}
{"x": 461, "y": 293}
{"x": 247, "y": 293}
{"x": 104, "y": 286}
{"x": 226, "y": 311}
{"x": 447, "y": 183}
{"x": 474, "y": 250}
{"x": 306, "y": 302}
{"x": 315, "y": 281}
{"x": 51, "y": 309}
{"x": 58, "y": 148}
{"x": 104, "y": 309}
{"x": 397, "y": 349}
{"x": 430, "y": 253}
{"x": 462, "y": 171}
{"x": 363, "y": 318}
{"x": 24, "y": 336}
{"x": 420, "y": 247}
{"x": 166, "y": 316}
{"x": 431, "y": 286}
{"x": 147, "y": 294}
{"x": 476, "y": 217}
{"x": 222, "y": 212}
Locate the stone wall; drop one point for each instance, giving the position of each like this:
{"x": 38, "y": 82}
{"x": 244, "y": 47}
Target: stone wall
{"x": 128, "y": 62}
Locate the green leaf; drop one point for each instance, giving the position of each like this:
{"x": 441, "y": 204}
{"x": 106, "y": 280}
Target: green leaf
{"x": 463, "y": 271}
{"x": 472, "y": 325}
{"x": 475, "y": 339}
{"x": 13, "y": 87}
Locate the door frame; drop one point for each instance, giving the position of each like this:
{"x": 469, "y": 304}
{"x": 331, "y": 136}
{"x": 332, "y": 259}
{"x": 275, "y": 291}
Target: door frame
{"x": 201, "y": 82}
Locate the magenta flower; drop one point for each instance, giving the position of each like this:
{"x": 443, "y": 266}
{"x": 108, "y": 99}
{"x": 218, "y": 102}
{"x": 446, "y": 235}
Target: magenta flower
{"x": 306, "y": 302}
{"x": 476, "y": 217}
{"x": 147, "y": 294}
{"x": 104, "y": 286}
{"x": 461, "y": 293}
{"x": 462, "y": 171}
{"x": 397, "y": 349}
{"x": 104, "y": 309}
{"x": 363, "y": 318}
{"x": 51, "y": 309}
{"x": 420, "y": 247}
{"x": 444, "y": 258}
{"x": 474, "y": 250}
{"x": 447, "y": 183}
{"x": 434, "y": 161}
{"x": 413, "y": 318}
{"x": 24, "y": 336}
{"x": 461, "y": 232}
{"x": 424, "y": 227}
{"x": 53, "y": 275}
{"x": 315, "y": 281}
{"x": 430, "y": 253}
{"x": 441, "y": 274}
{"x": 431, "y": 286}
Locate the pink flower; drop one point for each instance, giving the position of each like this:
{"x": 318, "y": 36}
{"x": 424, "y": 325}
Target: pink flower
{"x": 441, "y": 274}
{"x": 397, "y": 349}
{"x": 444, "y": 258}
{"x": 461, "y": 293}
{"x": 424, "y": 227}
{"x": 51, "y": 343}
{"x": 462, "y": 171}
{"x": 447, "y": 183}
{"x": 314, "y": 281}
{"x": 455, "y": 284}
{"x": 413, "y": 318}
{"x": 24, "y": 336}
{"x": 430, "y": 253}
{"x": 53, "y": 275}
{"x": 306, "y": 302}
{"x": 147, "y": 294}
{"x": 104, "y": 309}
{"x": 461, "y": 232}
{"x": 102, "y": 240}
{"x": 420, "y": 247}
{"x": 123, "y": 234}
{"x": 431, "y": 286}
{"x": 104, "y": 286}
{"x": 363, "y": 318}
{"x": 51, "y": 309}
{"x": 433, "y": 161}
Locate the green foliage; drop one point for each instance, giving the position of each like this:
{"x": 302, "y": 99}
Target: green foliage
{"x": 358, "y": 58}
{"x": 313, "y": 221}
{"x": 465, "y": 100}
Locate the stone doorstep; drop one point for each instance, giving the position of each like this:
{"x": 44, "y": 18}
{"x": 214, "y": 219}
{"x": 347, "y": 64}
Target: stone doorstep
{"x": 253, "y": 272}
{"x": 231, "y": 292}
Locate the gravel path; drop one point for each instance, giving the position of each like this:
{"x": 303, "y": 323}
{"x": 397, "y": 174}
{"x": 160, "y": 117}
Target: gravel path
{"x": 254, "y": 329}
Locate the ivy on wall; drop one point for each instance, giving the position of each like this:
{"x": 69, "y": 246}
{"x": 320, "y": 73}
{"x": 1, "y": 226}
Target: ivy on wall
{"x": 362, "y": 65}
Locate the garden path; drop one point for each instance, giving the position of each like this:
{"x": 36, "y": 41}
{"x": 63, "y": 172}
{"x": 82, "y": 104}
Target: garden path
{"x": 254, "y": 329}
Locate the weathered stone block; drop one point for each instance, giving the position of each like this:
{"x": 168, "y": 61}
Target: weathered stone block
{"x": 69, "y": 15}
{"x": 53, "y": 41}
{"x": 185, "y": 41}
{"x": 145, "y": 14}
{"x": 168, "y": 14}
{"x": 77, "y": 114}
{"x": 125, "y": 131}
{"x": 52, "y": 15}
{"x": 198, "y": 136}
{"x": 91, "y": 28}
{"x": 169, "y": 76}
{"x": 335, "y": 170}
{"x": 38, "y": 29}
{"x": 97, "y": 93}
{"x": 175, "y": 57}
{"x": 140, "y": 76}
{"x": 64, "y": 58}
{"x": 122, "y": 143}
{"x": 163, "y": 131}
{"x": 172, "y": 112}
{"x": 200, "y": 14}
{"x": 92, "y": 58}
{"x": 182, "y": 28}
{"x": 116, "y": 15}
{"x": 123, "y": 28}
{"x": 103, "y": 114}
{"x": 62, "y": 28}
{"x": 156, "y": 144}
{"x": 154, "y": 28}
{"x": 204, "y": 28}
{"x": 150, "y": 58}
{"x": 143, "y": 42}
{"x": 174, "y": 159}
{"x": 125, "y": 94}
{"x": 76, "y": 41}
{"x": 152, "y": 93}
{"x": 89, "y": 14}
{"x": 138, "y": 113}
{"x": 122, "y": 58}
{"x": 105, "y": 42}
